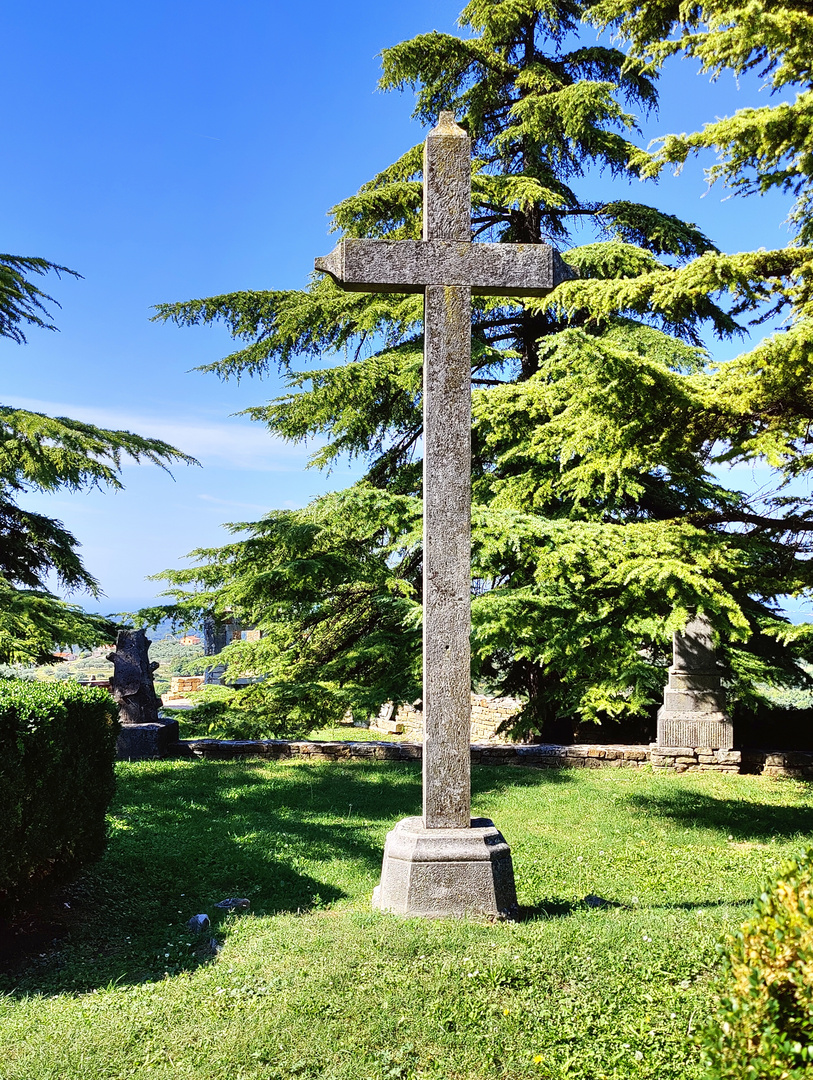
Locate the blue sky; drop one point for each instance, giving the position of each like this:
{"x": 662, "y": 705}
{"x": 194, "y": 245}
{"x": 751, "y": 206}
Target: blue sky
{"x": 169, "y": 150}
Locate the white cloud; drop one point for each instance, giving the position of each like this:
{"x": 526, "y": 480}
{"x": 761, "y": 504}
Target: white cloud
{"x": 232, "y": 442}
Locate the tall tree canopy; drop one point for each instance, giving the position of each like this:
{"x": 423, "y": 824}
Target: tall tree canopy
{"x": 48, "y": 453}
{"x": 599, "y": 521}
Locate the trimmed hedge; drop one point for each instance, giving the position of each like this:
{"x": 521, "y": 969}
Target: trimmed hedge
{"x": 764, "y": 1027}
{"x": 57, "y": 751}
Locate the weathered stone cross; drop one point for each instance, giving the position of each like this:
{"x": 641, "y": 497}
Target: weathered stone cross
{"x": 447, "y": 267}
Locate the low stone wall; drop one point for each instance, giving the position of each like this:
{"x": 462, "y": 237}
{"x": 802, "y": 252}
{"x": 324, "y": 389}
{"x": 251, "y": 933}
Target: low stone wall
{"x": 794, "y": 763}
{"x": 181, "y": 686}
{"x": 770, "y": 763}
{"x": 534, "y": 756}
{"x": 692, "y": 759}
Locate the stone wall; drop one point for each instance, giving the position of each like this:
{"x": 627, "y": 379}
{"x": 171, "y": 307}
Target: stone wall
{"x": 487, "y": 714}
{"x": 180, "y": 687}
{"x": 533, "y": 756}
{"x": 793, "y": 763}
{"x": 693, "y": 759}
{"x": 769, "y": 763}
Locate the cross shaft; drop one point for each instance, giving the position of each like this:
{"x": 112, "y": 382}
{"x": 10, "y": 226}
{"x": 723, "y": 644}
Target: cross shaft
{"x": 447, "y": 267}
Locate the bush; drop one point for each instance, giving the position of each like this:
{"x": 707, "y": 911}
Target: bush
{"x": 764, "y": 1029}
{"x": 57, "y": 749}
{"x": 257, "y": 711}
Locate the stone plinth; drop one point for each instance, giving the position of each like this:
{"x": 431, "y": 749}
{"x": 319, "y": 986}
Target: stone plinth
{"x": 446, "y": 872}
{"x": 712, "y": 730}
{"x": 145, "y": 742}
{"x": 693, "y": 712}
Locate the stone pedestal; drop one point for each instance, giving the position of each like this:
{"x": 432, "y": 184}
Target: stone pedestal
{"x": 437, "y": 873}
{"x": 693, "y": 711}
{"x": 213, "y": 676}
{"x": 145, "y": 742}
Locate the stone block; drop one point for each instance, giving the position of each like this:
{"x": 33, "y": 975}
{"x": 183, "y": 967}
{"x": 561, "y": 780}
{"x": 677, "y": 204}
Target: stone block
{"x": 635, "y": 755}
{"x": 146, "y": 742}
{"x": 685, "y": 730}
{"x": 693, "y": 701}
{"x": 728, "y": 757}
{"x": 392, "y": 727}
{"x": 438, "y": 873}
{"x": 694, "y": 681}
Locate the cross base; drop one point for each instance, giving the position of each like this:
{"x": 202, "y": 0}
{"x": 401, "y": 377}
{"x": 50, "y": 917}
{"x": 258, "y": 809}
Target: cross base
{"x": 438, "y": 873}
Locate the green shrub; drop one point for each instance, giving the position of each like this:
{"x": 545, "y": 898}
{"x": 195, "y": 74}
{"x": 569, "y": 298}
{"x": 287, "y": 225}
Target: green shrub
{"x": 221, "y": 712}
{"x": 764, "y": 1027}
{"x": 57, "y": 749}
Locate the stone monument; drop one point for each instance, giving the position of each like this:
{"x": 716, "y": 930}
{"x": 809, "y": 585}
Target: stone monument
{"x": 216, "y": 636}
{"x": 446, "y": 862}
{"x": 693, "y": 716}
{"x": 144, "y": 734}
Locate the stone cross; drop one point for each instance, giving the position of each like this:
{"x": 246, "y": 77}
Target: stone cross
{"x": 447, "y": 267}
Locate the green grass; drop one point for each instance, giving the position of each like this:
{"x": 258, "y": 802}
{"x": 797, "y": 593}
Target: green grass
{"x": 313, "y": 984}
{"x": 351, "y": 733}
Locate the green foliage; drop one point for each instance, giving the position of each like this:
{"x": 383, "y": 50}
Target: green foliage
{"x": 214, "y": 716}
{"x": 759, "y": 149}
{"x": 600, "y": 420}
{"x": 763, "y": 1029}
{"x": 34, "y": 622}
{"x": 336, "y": 604}
{"x": 46, "y": 453}
{"x": 20, "y": 300}
{"x": 56, "y": 781}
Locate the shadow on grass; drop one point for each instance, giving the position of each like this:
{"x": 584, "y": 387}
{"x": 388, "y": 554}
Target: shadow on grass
{"x": 554, "y": 908}
{"x": 548, "y": 909}
{"x": 185, "y": 835}
{"x": 488, "y": 779}
{"x": 744, "y": 820}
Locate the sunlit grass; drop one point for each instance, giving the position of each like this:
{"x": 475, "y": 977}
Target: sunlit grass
{"x": 351, "y": 733}
{"x": 312, "y": 983}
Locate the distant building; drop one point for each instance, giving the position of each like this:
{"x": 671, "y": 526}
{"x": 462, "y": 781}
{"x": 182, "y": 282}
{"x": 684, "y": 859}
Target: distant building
{"x": 190, "y": 639}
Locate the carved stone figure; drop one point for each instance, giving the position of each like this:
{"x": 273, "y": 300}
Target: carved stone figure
{"x": 132, "y": 683}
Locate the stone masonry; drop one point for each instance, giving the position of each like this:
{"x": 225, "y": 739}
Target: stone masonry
{"x": 767, "y": 763}
{"x": 181, "y": 686}
{"x": 487, "y": 715}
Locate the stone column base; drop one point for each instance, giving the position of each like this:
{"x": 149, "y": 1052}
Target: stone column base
{"x": 676, "y": 729}
{"x": 447, "y": 872}
{"x": 145, "y": 742}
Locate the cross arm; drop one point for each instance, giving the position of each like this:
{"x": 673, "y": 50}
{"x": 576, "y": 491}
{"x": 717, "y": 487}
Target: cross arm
{"x": 410, "y": 265}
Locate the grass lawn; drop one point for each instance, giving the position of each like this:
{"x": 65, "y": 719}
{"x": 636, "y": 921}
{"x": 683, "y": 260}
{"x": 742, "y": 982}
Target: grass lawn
{"x": 312, "y": 984}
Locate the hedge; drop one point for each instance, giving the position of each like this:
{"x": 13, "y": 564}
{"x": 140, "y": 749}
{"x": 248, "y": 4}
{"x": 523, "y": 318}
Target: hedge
{"x": 763, "y": 1029}
{"x": 57, "y": 752}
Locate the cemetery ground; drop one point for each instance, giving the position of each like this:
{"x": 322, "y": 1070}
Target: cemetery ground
{"x": 311, "y": 983}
